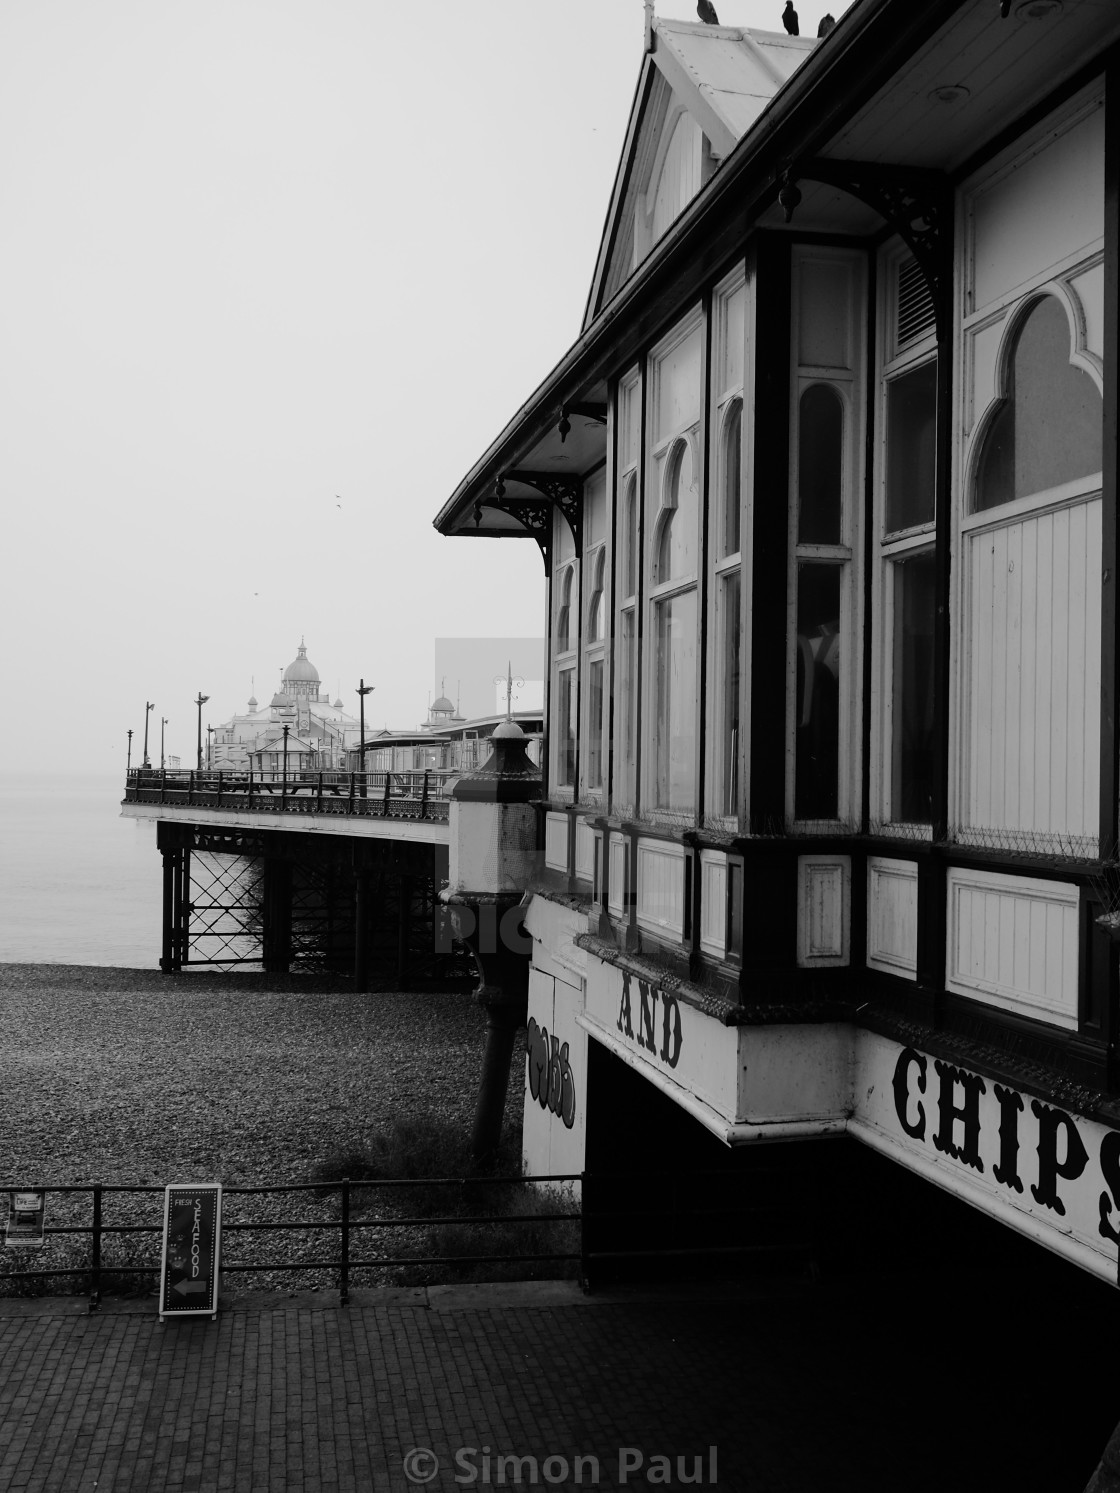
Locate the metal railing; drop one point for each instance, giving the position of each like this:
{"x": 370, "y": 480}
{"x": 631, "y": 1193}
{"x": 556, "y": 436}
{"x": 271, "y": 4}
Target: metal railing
{"x": 345, "y": 1226}
{"x": 708, "y": 1218}
{"x": 378, "y": 795}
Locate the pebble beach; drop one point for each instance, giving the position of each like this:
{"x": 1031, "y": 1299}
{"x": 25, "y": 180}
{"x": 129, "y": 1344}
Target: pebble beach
{"x": 132, "y": 1077}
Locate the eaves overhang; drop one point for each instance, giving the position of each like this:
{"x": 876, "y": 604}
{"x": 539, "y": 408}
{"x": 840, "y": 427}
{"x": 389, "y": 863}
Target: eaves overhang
{"x": 870, "y": 42}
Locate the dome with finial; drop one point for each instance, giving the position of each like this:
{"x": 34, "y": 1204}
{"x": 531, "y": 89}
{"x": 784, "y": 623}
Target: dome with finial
{"x": 301, "y": 670}
{"x": 252, "y": 702}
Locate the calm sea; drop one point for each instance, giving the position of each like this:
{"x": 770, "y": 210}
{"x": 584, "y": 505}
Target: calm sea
{"x": 78, "y": 884}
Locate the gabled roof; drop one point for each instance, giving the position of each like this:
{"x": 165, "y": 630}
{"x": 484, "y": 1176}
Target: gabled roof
{"x": 724, "y": 77}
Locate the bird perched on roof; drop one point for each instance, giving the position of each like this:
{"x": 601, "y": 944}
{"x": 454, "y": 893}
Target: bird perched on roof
{"x": 789, "y": 19}
{"x": 827, "y": 24}
{"x": 707, "y": 12}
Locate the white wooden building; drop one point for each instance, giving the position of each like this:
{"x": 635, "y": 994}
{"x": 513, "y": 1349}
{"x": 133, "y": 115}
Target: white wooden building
{"x": 826, "y": 494}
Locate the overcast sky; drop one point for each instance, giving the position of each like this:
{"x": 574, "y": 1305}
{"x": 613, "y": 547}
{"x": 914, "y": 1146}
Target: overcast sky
{"x": 274, "y": 275}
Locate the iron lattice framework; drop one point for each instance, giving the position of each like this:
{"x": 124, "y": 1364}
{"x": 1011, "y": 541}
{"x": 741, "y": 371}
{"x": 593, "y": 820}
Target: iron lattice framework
{"x": 225, "y": 923}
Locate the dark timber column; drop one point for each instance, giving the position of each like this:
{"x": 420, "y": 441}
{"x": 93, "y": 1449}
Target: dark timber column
{"x": 361, "y": 931}
{"x": 404, "y": 924}
{"x": 277, "y": 939}
{"x": 770, "y": 865}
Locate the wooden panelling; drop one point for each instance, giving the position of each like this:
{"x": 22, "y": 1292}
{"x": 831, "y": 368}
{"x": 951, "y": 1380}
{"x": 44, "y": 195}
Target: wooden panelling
{"x": 823, "y": 909}
{"x": 619, "y": 863}
{"x": 713, "y": 902}
{"x": 679, "y": 178}
{"x": 1013, "y": 943}
{"x": 585, "y": 850}
{"x": 556, "y": 842}
{"x": 892, "y": 916}
{"x": 1034, "y": 666}
{"x": 1010, "y": 238}
{"x": 660, "y": 906}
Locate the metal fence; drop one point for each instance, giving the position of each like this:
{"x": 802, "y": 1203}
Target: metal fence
{"x": 377, "y": 795}
{"x": 345, "y": 1227}
{"x": 629, "y": 1224}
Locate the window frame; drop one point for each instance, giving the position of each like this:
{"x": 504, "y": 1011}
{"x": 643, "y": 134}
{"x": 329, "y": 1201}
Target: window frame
{"x": 660, "y": 446}
{"x": 845, "y": 556}
{"x": 891, "y": 547}
{"x": 728, "y": 395}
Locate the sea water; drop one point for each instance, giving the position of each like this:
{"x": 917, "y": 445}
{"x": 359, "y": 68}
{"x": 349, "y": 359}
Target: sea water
{"x": 78, "y": 884}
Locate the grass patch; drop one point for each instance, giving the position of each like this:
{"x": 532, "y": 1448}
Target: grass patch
{"x": 493, "y": 1211}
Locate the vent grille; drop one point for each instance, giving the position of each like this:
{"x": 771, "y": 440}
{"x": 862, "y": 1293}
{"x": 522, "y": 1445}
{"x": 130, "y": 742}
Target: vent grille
{"x": 915, "y": 304}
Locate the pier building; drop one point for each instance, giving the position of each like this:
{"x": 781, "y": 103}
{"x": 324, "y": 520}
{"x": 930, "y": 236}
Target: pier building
{"x": 825, "y": 493}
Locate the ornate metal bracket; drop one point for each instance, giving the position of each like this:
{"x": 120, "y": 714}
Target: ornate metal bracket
{"x": 566, "y": 493}
{"x": 533, "y": 514}
{"x": 916, "y": 204}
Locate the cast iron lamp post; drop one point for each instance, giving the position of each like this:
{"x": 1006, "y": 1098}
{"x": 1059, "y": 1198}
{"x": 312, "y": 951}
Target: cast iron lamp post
{"x": 128, "y": 763}
{"x": 162, "y": 758}
{"x": 284, "y": 781}
{"x": 149, "y": 706}
{"x": 364, "y": 689}
{"x": 200, "y": 702}
{"x": 209, "y": 747}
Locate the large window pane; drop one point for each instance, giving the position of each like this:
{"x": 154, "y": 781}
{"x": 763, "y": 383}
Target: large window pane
{"x": 675, "y": 685}
{"x": 566, "y": 728}
{"x": 729, "y": 693}
{"x": 820, "y": 465}
{"x": 818, "y": 691}
{"x": 911, "y": 448}
{"x": 732, "y": 479}
{"x": 912, "y": 721}
{"x": 595, "y": 724}
{"x": 625, "y": 762}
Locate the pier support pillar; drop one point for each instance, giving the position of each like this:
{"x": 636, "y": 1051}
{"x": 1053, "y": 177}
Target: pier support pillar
{"x": 361, "y": 931}
{"x": 404, "y": 919}
{"x": 277, "y": 916}
{"x": 176, "y": 905}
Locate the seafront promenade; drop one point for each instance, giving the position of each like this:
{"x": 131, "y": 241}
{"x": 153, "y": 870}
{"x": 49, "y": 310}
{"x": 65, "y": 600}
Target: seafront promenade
{"x": 529, "y": 1385}
{"x": 894, "y": 1378}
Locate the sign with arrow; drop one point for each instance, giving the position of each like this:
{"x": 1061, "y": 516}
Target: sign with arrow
{"x": 192, "y": 1223}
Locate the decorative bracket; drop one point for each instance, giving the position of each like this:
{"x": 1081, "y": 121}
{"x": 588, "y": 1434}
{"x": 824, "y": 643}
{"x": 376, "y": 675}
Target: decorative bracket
{"x": 566, "y": 493}
{"x": 915, "y": 202}
{"x": 533, "y": 514}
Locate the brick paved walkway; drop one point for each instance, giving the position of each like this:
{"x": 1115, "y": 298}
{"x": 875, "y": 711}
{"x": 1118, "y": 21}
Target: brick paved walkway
{"x": 799, "y": 1393}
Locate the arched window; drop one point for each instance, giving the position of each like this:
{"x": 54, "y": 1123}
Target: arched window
{"x": 1049, "y": 429}
{"x": 732, "y": 478}
{"x": 676, "y": 545}
{"x": 820, "y": 465}
{"x": 595, "y": 605}
{"x": 564, "y": 614}
{"x": 630, "y": 510}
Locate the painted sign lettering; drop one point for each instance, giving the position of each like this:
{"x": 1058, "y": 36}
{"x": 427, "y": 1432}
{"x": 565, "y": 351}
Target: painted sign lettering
{"x": 948, "y": 1115}
{"x": 551, "y": 1081}
{"x": 191, "y": 1230}
{"x": 663, "y": 1036}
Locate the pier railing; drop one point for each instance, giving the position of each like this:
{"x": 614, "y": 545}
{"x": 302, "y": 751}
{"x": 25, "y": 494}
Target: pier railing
{"x": 378, "y": 795}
